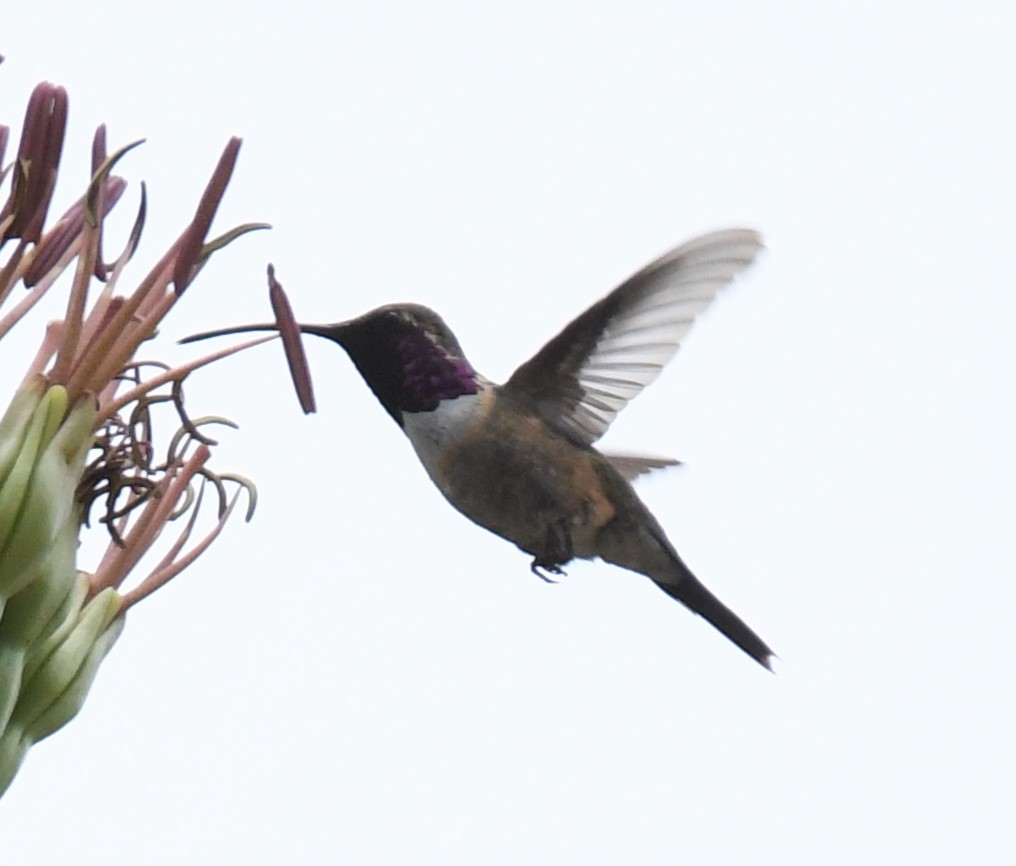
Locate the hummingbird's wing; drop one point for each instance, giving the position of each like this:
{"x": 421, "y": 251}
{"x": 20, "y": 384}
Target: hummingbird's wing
{"x": 583, "y": 377}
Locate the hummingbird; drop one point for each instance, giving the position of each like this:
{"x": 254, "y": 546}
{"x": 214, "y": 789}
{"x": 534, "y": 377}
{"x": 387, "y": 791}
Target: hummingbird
{"x": 518, "y": 458}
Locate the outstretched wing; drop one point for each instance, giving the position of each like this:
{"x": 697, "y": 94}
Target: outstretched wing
{"x": 583, "y": 377}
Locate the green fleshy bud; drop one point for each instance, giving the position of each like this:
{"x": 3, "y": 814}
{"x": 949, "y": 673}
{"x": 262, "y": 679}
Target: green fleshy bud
{"x": 45, "y": 636}
{"x": 14, "y": 424}
{"x": 20, "y": 458}
{"x": 53, "y": 693}
{"x": 98, "y": 628}
{"x": 67, "y": 651}
{"x": 59, "y": 625}
{"x": 35, "y": 612}
{"x": 42, "y": 486}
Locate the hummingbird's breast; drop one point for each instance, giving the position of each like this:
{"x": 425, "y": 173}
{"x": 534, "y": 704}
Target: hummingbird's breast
{"x": 512, "y": 474}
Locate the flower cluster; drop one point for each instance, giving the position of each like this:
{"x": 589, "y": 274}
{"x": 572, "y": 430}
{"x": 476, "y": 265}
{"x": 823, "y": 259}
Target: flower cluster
{"x": 77, "y": 443}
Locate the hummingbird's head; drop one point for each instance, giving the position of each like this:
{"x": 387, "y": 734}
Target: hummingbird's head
{"x": 405, "y": 352}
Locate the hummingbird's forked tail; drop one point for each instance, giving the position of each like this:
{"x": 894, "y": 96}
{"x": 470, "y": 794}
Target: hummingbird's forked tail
{"x": 690, "y": 591}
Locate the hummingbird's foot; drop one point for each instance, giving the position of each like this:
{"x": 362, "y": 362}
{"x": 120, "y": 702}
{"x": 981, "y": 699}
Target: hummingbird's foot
{"x": 556, "y": 550}
{"x": 538, "y": 568}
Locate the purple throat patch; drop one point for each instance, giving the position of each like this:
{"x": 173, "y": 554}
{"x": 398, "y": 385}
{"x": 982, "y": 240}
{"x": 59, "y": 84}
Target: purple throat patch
{"x": 430, "y": 376}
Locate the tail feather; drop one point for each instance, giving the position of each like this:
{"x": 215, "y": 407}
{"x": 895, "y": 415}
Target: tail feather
{"x": 634, "y": 540}
{"x": 693, "y": 595}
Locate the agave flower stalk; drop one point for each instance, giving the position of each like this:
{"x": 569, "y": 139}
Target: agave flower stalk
{"x": 79, "y": 435}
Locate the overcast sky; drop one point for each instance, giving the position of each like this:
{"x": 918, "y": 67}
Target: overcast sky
{"x": 361, "y": 676}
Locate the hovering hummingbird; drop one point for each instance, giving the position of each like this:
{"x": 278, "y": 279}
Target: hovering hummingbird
{"x": 518, "y": 458}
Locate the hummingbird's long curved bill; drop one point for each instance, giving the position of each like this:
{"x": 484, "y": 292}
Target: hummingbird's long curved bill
{"x": 316, "y": 330}
{"x": 294, "y": 352}
{"x": 225, "y": 332}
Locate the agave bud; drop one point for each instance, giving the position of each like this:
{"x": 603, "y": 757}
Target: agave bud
{"x": 39, "y": 521}
{"x": 58, "y": 676}
{"x": 37, "y": 498}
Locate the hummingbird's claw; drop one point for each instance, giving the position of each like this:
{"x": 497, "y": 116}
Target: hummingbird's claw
{"x": 538, "y": 568}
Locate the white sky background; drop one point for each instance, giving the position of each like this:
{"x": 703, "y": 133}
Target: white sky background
{"x": 361, "y": 676}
